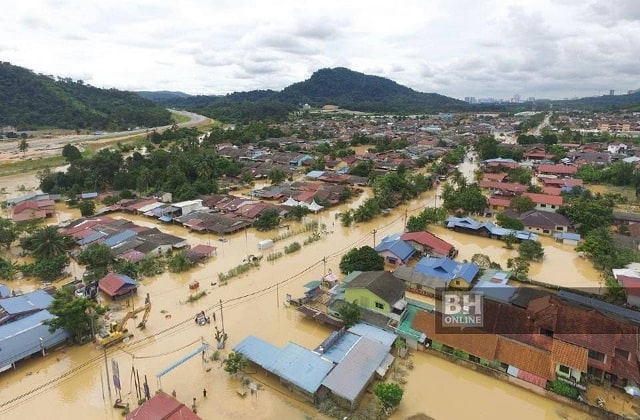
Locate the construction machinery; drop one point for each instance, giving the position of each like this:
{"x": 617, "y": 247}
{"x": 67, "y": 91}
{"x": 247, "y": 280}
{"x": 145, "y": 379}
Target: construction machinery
{"x": 117, "y": 331}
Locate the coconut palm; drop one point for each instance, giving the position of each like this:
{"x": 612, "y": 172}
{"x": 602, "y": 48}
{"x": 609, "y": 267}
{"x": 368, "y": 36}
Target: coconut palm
{"x": 47, "y": 242}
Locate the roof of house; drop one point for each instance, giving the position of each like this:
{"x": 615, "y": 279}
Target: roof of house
{"x": 351, "y": 376}
{"x": 447, "y": 269}
{"x": 163, "y": 407}
{"x": 527, "y": 358}
{"x": 430, "y": 240}
{"x": 4, "y": 291}
{"x": 381, "y": 283}
{"x": 21, "y": 338}
{"x": 555, "y": 200}
{"x": 397, "y": 247}
{"x": 293, "y": 363}
{"x": 374, "y": 333}
{"x": 409, "y": 274}
{"x": 540, "y": 219}
{"x": 569, "y": 355}
{"x": 478, "y": 344}
{"x": 116, "y": 284}
{"x": 38, "y": 299}
{"x": 557, "y": 169}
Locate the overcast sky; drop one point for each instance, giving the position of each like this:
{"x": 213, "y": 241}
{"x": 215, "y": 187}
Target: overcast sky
{"x": 481, "y": 48}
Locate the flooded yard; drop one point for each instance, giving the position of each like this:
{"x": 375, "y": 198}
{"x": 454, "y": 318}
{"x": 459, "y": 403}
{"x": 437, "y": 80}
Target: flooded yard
{"x": 73, "y": 380}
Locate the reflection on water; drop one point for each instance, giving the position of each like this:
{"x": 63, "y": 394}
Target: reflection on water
{"x": 172, "y": 333}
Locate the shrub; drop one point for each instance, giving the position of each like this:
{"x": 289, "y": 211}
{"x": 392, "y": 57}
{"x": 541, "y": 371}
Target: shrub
{"x": 563, "y": 388}
{"x": 292, "y": 248}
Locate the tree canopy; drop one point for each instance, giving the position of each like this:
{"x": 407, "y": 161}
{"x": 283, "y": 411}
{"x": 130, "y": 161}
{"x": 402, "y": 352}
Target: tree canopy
{"x": 75, "y": 315}
{"x": 361, "y": 259}
{"x": 389, "y": 393}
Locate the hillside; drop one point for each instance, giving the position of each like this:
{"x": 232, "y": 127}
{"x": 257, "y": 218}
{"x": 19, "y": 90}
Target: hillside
{"x": 629, "y": 101}
{"x": 162, "y": 95}
{"x": 32, "y": 101}
{"x": 340, "y": 86}
{"x": 361, "y": 92}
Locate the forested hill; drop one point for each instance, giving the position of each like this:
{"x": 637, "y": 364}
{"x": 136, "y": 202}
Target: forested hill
{"x": 361, "y": 92}
{"x": 340, "y": 86}
{"x": 629, "y": 101}
{"x": 31, "y": 101}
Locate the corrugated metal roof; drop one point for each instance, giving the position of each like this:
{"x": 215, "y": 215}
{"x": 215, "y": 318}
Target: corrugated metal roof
{"x": 38, "y": 299}
{"x": 293, "y": 363}
{"x": 258, "y": 351}
{"x": 21, "y": 338}
{"x": 301, "y": 367}
{"x": 341, "y": 347}
{"x": 350, "y": 377}
{"x": 4, "y": 291}
{"x": 119, "y": 237}
{"x": 374, "y": 333}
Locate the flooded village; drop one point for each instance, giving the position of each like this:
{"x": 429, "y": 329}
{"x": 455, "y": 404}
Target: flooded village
{"x": 279, "y": 305}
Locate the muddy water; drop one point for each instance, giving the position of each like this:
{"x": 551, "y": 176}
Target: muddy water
{"x": 171, "y": 334}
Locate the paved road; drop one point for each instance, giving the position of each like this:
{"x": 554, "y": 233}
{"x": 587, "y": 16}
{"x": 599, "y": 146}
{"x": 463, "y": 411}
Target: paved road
{"x": 44, "y": 144}
{"x": 536, "y": 131}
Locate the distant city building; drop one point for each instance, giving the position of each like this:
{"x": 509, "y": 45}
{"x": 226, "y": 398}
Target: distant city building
{"x": 470, "y": 99}
{"x": 612, "y": 92}
{"x": 516, "y": 99}
{"x": 531, "y": 99}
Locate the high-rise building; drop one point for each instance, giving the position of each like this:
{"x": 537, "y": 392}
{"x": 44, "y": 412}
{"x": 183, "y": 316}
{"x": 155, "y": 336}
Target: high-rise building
{"x": 612, "y": 92}
{"x": 470, "y": 99}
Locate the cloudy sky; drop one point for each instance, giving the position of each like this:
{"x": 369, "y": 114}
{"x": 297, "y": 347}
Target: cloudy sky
{"x": 481, "y": 48}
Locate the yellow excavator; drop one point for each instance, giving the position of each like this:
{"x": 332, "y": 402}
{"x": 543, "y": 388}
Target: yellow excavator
{"x": 118, "y": 330}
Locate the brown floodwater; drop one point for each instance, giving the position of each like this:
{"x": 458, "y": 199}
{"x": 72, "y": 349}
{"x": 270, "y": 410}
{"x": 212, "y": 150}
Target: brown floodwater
{"x": 72, "y": 384}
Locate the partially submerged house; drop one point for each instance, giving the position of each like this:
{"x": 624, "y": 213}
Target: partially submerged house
{"x": 458, "y": 275}
{"x": 428, "y": 244}
{"x": 118, "y": 286}
{"x": 394, "y": 250}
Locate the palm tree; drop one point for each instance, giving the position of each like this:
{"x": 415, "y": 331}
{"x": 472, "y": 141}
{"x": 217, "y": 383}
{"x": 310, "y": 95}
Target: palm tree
{"x": 47, "y": 242}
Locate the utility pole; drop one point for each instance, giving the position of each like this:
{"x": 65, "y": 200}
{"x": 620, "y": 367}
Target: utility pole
{"x": 324, "y": 263}
{"x": 221, "y": 316}
{"x": 106, "y": 367}
{"x": 374, "y": 237}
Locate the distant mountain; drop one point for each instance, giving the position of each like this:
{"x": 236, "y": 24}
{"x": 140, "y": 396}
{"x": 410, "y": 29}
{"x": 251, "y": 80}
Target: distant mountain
{"x": 629, "y": 101}
{"x": 31, "y": 101}
{"x": 339, "y": 86}
{"x": 162, "y": 95}
{"x": 360, "y": 92}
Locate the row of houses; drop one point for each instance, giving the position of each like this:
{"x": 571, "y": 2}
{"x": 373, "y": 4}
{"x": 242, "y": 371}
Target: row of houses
{"x": 527, "y": 333}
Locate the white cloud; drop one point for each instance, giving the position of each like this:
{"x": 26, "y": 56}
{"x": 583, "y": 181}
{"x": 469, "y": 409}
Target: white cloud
{"x": 459, "y": 48}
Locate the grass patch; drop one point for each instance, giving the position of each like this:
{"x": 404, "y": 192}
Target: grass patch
{"x": 179, "y": 118}
{"x": 31, "y": 165}
{"x": 193, "y": 298}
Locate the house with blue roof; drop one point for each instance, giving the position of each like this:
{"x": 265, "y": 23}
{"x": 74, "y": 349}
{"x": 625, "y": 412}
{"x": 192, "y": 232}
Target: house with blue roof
{"x": 486, "y": 229}
{"x": 17, "y": 307}
{"x": 394, "y": 250}
{"x": 459, "y": 275}
{"x": 298, "y": 368}
{"x": 22, "y": 329}
{"x": 119, "y": 238}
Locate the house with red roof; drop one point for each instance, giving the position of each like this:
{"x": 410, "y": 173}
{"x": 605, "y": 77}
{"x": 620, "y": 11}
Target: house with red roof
{"x": 162, "y": 407}
{"x": 427, "y": 243}
{"x": 118, "y": 286}
{"x": 33, "y": 210}
{"x": 559, "y": 170}
{"x": 545, "y": 202}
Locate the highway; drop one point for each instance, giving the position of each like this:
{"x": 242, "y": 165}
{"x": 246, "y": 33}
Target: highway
{"x": 48, "y": 144}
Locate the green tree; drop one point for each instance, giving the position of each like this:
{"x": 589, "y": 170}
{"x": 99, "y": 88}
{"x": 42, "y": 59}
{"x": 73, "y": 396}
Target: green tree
{"x": 509, "y": 240}
{"x": 389, "y": 393}
{"x": 8, "y": 233}
{"x": 47, "y": 242}
{"x": 519, "y": 267}
{"x": 267, "y": 220}
{"x": 87, "y": 208}
{"x": 350, "y": 314}
{"x": 522, "y": 204}
{"x": 75, "y": 315}
{"x": 47, "y": 269}
{"x": 298, "y": 212}
{"x": 531, "y": 250}
{"x": 468, "y": 199}
{"x": 178, "y": 263}
{"x": 361, "y": 259}
{"x": 481, "y": 260}
{"x": 235, "y": 362}
{"x": 277, "y": 176}
{"x": 346, "y": 218}
{"x": 486, "y": 147}
{"x": 8, "y": 269}
{"x": 509, "y": 222}
{"x": 96, "y": 256}
{"x": 589, "y": 213}
{"x": 71, "y": 153}
{"x": 23, "y": 146}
